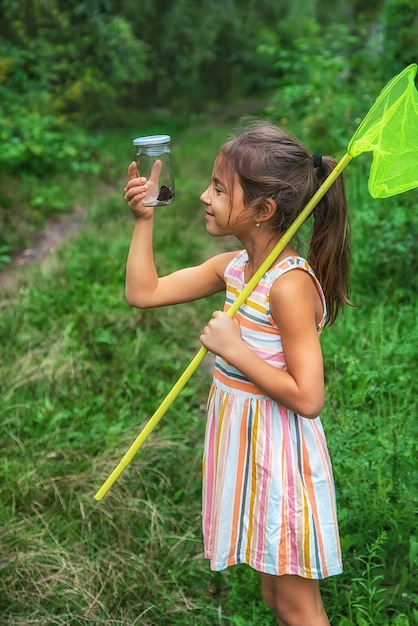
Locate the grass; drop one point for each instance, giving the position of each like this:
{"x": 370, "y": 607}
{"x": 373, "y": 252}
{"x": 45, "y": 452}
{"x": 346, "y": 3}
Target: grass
{"x": 81, "y": 373}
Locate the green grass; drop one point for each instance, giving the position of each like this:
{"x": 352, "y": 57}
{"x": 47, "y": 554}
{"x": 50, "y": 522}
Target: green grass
{"x": 81, "y": 373}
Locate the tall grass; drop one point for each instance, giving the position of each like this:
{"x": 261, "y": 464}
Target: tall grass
{"x": 81, "y": 373}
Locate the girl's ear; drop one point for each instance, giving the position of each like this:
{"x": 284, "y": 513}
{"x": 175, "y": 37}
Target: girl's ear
{"x": 267, "y": 211}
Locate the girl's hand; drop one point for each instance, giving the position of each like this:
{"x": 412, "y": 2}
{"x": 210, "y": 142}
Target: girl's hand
{"x": 222, "y": 335}
{"x": 139, "y": 188}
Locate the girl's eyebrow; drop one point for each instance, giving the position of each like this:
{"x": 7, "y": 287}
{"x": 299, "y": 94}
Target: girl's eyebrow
{"x": 217, "y": 182}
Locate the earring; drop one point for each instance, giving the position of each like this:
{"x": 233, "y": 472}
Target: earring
{"x": 257, "y": 224}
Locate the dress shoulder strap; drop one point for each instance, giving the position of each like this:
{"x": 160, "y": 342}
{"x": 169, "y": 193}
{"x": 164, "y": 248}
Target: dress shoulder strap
{"x": 237, "y": 263}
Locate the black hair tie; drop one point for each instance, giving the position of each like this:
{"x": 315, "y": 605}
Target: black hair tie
{"x": 317, "y": 161}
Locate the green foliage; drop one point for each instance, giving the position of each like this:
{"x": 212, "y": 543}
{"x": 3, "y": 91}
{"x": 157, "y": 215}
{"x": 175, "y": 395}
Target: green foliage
{"x": 41, "y": 144}
{"x": 51, "y": 81}
{"x": 80, "y": 76}
{"x": 400, "y": 21}
{"x": 200, "y": 55}
{"x": 186, "y": 58}
{"x": 327, "y": 74}
{"x": 371, "y": 396}
{"x": 320, "y": 78}
{"x": 392, "y": 253}
{"x": 4, "y": 255}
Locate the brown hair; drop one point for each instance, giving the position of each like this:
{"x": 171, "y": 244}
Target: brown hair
{"x": 271, "y": 163}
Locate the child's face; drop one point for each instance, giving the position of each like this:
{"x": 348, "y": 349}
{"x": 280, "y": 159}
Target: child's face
{"x": 226, "y": 213}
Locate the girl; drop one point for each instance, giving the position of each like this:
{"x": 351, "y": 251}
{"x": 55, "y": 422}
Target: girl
{"x": 268, "y": 493}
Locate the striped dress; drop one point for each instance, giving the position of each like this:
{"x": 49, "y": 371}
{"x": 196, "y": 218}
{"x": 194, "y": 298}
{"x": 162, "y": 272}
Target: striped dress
{"x": 268, "y": 491}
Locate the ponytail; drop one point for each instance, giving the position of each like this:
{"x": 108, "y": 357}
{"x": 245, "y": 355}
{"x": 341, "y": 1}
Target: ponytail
{"x": 330, "y": 250}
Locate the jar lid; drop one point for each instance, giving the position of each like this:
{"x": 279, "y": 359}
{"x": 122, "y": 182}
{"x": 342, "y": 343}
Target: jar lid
{"x": 152, "y": 140}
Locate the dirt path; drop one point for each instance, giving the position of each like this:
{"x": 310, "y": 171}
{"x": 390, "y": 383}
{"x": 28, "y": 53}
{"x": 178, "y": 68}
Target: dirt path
{"x": 46, "y": 242}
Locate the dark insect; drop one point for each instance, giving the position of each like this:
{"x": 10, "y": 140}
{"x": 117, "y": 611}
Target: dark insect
{"x": 166, "y": 193}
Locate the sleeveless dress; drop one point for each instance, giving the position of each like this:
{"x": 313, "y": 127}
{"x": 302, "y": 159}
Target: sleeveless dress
{"x": 268, "y": 490}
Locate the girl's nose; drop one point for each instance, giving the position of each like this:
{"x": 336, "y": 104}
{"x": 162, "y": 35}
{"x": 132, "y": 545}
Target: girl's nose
{"x": 205, "y": 197}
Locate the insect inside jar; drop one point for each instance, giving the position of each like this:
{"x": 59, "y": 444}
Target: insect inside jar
{"x": 166, "y": 193}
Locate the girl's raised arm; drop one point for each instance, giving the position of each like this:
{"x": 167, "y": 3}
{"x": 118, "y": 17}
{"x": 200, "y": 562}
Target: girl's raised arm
{"x": 144, "y": 288}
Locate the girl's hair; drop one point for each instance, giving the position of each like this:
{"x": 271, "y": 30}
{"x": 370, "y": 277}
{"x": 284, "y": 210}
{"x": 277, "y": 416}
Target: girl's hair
{"x": 271, "y": 163}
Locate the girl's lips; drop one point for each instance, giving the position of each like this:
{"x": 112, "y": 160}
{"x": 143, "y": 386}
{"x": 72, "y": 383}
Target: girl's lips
{"x": 208, "y": 215}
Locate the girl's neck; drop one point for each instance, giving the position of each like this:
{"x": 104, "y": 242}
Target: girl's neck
{"x": 258, "y": 253}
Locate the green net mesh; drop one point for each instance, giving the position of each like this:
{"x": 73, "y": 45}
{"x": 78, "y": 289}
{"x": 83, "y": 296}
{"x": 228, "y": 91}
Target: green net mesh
{"x": 390, "y": 132}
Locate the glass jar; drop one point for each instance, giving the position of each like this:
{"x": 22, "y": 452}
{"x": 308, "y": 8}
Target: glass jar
{"x": 149, "y": 150}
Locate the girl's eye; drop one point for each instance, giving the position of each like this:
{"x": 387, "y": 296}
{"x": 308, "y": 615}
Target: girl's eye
{"x": 216, "y": 186}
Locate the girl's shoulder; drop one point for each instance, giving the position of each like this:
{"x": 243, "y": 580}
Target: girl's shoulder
{"x": 299, "y": 284}
{"x": 223, "y": 261}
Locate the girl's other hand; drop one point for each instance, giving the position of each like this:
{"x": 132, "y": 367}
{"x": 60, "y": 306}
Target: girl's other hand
{"x": 222, "y": 335}
{"x": 138, "y": 189}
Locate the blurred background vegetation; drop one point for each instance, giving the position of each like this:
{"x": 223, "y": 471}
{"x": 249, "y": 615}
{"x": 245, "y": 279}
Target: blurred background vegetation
{"x": 70, "y": 69}
{"x": 80, "y": 371}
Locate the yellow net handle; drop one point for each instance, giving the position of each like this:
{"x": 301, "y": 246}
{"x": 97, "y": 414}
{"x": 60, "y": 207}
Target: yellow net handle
{"x": 193, "y": 365}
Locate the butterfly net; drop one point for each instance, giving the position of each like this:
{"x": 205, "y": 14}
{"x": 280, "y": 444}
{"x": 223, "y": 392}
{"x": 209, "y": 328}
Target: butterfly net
{"x": 390, "y": 132}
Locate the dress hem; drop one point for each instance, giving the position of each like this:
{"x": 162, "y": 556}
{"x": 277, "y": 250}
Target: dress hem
{"x": 314, "y": 575}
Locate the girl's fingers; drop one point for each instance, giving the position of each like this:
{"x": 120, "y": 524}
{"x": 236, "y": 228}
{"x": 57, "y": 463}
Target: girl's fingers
{"x": 136, "y": 190}
{"x": 156, "y": 171}
{"x": 133, "y": 170}
{"x": 132, "y": 190}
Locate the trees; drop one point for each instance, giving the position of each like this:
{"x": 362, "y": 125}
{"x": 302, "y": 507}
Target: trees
{"x": 400, "y": 30}
{"x": 87, "y": 62}
{"x": 58, "y": 67}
